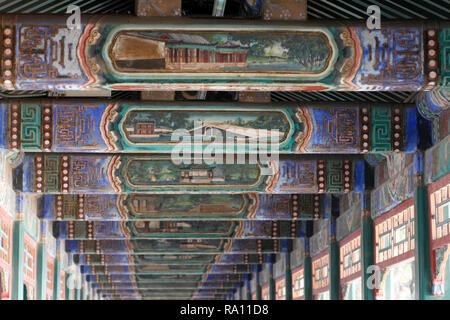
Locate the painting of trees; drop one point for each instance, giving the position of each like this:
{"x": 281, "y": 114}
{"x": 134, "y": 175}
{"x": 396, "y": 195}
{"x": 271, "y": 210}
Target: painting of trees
{"x": 309, "y": 51}
{"x": 268, "y": 121}
{"x": 306, "y": 50}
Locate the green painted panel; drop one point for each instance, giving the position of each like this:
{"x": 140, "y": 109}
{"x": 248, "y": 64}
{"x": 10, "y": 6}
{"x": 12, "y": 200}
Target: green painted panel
{"x": 31, "y": 127}
{"x": 381, "y": 129}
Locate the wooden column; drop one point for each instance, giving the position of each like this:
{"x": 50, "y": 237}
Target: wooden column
{"x": 247, "y": 287}
{"x": 367, "y": 247}
{"x": 286, "y": 248}
{"x": 334, "y": 271}
{"x": 334, "y": 263}
{"x": 256, "y": 271}
{"x": 58, "y": 267}
{"x": 17, "y": 260}
{"x": 57, "y": 289}
{"x": 422, "y": 254}
{"x": 243, "y": 291}
{"x": 41, "y": 267}
{"x": 271, "y": 261}
{"x": 77, "y": 294}
{"x": 307, "y": 267}
{"x": 68, "y": 293}
{"x": 69, "y": 279}
{"x": 41, "y": 264}
{"x": 288, "y": 277}
{"x": 83, "y": 293}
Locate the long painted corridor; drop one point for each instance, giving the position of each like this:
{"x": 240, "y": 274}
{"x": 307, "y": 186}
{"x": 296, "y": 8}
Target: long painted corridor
{"x": 224, "y": 150}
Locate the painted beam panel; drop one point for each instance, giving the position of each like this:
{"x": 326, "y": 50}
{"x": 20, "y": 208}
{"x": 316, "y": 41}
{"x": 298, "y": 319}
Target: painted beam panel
{"x": 176, "y": 229}
{"x": 184, "y": 246}
{"x": 100, "y": 174}
{"x": 189, "y": 128}
{"x": 193, "y": 258}
{"x": 158, "y": 285}
{"x": 166, "y": 269}
{"x": 157, "y": 279}
{"x": 169, "y": 291}
{"x": 137, "y": 207}
{"x": 41, "y": 52}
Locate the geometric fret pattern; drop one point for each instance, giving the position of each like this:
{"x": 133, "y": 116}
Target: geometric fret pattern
{"x": 350, "y": 259}
{"x": 394, "y": 235}
{"x": 298, "y": 284}
{"x": 335, "y": 175}
{"x": 280, "y": 289}
{"x": 31, "y": 127}
{"x": 381, "y": 129}
{"x": 320, "y": 272}
{"x": 29, "y": 277}
{"x": 440, "y": 212}
{"x": 5, "y": 239}
{"x": 49, "y": 282}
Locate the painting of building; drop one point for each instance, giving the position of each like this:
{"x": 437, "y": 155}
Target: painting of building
{"x": 148, "y": 227}
{"x": 144, "y": 125}
{"x": 240, "y": 134}
{"x": 175, "y": 51}
{"x": 201, "y": 174}
{"x": 144, "y": 128}
{"x": 179, "y": 229}
{"x": 207, "y": 205}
